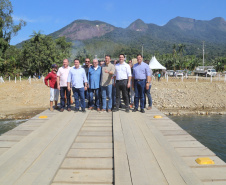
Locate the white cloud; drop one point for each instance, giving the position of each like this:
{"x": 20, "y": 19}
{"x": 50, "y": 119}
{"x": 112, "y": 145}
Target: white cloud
{"x": 18, "y": 18}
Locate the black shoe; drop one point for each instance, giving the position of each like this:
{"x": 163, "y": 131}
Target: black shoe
{"x": 127, "y": 110}
{"x": 115, "y": 109}
{"x": 84, "y": 110}
{"x": 76, "y": 110}
{"x": 142, "y": 111}
{"x": 135, "y": 110}
{"x": 61, "y": 110}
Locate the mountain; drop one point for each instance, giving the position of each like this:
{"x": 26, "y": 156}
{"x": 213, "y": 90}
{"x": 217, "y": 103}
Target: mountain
{"x": 100, "y": 37}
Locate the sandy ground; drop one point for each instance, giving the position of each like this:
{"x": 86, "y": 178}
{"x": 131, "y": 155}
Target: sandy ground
{"x": 23, "y": 100}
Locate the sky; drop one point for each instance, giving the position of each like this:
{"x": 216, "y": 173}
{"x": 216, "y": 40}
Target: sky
{"x": 49, "y": 16}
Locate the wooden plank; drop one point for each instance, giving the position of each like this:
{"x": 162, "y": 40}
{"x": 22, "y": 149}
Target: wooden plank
{"x": 187, "y": 144}
{"x": 53, "y": 156}
{"x": 189, "y": 152}
{"x": 142, "y": 162}
{"x": 97, "y": 129}
{"x": 95, "y": 133}
{"x": 223, "y": 182}
{"x": 98, "y": 124}
{"x": 180, "y": 138}
{"x": 211, "y": 174}
{"x": 10, "y": 138}
{"x": 90, "y": 153}
{"x": 93, "y": 139}
{"x": 61, "y": 183}
{"x": 98, "y": 121}
{"x": 121, "y": 164}
{"x": 18, "y": 132}
{"x": 174, "y": 132}
{"x": 87, "y": 163}
{"x": 84, "y": 176}
{"x": 7, "y": 144}
{"x": 92, "y": 145}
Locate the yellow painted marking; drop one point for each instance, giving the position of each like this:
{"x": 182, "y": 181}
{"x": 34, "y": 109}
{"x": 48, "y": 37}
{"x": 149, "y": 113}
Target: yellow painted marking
{"x": 204, "y": 160}
{"x": 157, "y": 116}
{"x": 43, "y": 117}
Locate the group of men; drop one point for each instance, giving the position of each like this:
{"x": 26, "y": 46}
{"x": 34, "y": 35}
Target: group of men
{"x": 105, "y": 81}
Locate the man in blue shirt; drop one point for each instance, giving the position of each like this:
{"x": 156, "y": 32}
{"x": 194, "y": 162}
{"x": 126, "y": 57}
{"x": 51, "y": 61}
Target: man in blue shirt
{"x": 94, "y": 76}
{"x": 141, "y": 80}
{"x": 77, "y": 79}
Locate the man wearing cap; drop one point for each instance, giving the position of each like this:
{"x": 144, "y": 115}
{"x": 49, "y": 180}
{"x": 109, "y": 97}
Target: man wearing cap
{"x": 62, "y": 75}
{"x": 122, "y": 78}
{"x": 141, "y": 80}
{"x": 54, "y": 92}
{"x": 77, "y": 79}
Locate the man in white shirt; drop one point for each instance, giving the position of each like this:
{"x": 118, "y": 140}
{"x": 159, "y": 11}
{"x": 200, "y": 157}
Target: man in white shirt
{"x": 122, "y": 78}
{"x": 62, "y": 75}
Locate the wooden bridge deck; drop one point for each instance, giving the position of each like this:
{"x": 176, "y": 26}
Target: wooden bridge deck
{"x": 101, "y": 148}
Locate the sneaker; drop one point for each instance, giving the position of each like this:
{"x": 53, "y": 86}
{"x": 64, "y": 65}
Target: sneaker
{"x": 115, "y": 109}
{"x": 90, "y": 108}
{"x": 149, "y": 108}
{"x": 135, "y": 110}
{"x": 76, "y": 110}
{"x": 68, "y": 109}
{"x": 142, "y": 111}
{"x": 98, "y": 109}
{"x": 83, "y": 110}
{"x": 127, "y": 110}
{"x": 61, "y": 110}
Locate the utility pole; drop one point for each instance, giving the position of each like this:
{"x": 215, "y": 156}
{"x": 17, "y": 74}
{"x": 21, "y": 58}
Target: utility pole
{"x": 203, "y": 52}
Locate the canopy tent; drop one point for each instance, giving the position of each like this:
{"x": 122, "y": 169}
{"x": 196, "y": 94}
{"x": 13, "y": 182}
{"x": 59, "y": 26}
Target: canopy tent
{"x": 154, "y": 64}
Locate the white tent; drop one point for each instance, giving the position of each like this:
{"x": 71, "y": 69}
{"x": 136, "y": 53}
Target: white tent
{"x": 154, "y": 64}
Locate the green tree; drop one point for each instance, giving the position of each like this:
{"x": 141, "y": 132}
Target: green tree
{"x": 7, "y": 27}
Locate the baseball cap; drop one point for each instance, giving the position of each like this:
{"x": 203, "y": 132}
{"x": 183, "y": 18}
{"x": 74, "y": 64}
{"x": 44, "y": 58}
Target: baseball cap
{"x": 54, "y": 66}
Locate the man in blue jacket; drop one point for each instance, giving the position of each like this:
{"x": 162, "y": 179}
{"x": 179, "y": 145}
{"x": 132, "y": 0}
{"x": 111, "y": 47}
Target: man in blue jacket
{"x": 94, "y": 76}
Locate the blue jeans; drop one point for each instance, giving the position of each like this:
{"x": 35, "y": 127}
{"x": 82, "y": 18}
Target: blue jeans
{"x": 97, "y": 98}
{"x": 79, "y": 93}
{"x": 139, "y": 88}
{"x": 62, "y": 99}
{"x": 148, "y": 94}
{"x": 106, "y": 91}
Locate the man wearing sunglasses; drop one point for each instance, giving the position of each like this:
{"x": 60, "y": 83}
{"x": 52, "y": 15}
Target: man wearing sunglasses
{"x": 86, "y": 68}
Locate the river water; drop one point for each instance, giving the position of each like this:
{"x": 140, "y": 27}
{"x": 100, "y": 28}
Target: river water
{"x": 209, "y": 130}
{"x": 6, "y": 125}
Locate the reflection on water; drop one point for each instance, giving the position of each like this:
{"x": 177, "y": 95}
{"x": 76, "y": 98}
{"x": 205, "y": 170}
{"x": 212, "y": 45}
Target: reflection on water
{"x": 208, "y": 130}
{"x": 6, "y": 125}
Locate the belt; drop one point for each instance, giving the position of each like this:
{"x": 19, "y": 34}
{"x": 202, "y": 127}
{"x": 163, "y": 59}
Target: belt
{"x": 121, "y": 80}
{"x": 140, "y": 80}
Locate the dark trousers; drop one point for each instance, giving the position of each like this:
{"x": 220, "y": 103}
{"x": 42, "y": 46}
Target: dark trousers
{"x": 87, "y": 97}
{"x": 139, "y": 88}
{"x": 79, "y": 93}
{"x": 62, "y": 97}
{"x": 121, "y": 85}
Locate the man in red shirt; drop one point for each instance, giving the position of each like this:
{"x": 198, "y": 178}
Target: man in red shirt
{"x": 54, "y": 92}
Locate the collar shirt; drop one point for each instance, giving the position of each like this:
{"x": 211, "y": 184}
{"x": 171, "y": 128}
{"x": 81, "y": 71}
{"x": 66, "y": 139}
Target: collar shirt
{"x": 94, "y": 76}
{"x": 122, "y": 71}
{"x": 63, "y": 74}
{"x": 106, "y": 78}
{"x": 77, "y": 77}
{"x": 141, "y": 71}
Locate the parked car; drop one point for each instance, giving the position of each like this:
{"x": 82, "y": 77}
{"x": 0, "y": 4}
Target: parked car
{"x": 179, "y": 73}
{"x": 170, "y": 72}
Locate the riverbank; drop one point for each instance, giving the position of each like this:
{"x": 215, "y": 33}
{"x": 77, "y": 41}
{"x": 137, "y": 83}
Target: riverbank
{"x": 22, "y": 100}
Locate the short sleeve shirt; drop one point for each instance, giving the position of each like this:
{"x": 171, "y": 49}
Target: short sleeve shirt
{"x": 106, "y": 78}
